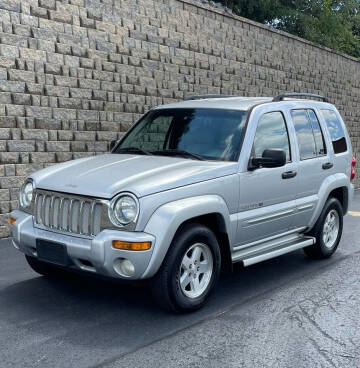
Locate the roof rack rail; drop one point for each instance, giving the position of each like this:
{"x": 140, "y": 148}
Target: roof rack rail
{"x": 202, "y": 97}
{"x": 295, "y": 94}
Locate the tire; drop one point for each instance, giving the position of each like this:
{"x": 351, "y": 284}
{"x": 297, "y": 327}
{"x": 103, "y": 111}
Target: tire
{"x": 192, "y": 246}
{"x": 44, "y": 269}
{"x": 324, "y": 249}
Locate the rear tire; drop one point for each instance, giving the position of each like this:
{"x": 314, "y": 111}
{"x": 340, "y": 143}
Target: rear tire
{"x": 327, "y": 231}
{"x": 189, "y": 271}
{"x": 44, "y": 269}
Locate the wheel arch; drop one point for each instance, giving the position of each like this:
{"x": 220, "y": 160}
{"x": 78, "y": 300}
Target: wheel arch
{"x": 342, "y": 195}
{"x": 337, "y": 186}
{"x": 167, "y": 220}
{"x": 216, "y": 223}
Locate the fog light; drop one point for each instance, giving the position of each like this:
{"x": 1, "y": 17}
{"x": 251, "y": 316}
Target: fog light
{"x": 124, "y": 267}
{"x": 118, "y": 244}
{"x": 12, "y": 220}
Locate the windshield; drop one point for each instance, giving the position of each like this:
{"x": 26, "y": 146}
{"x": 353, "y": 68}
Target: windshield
{"x": 210, "y": 134}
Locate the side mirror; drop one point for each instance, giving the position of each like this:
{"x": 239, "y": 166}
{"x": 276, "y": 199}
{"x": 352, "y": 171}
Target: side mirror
{"x": 113, "y": 144}
{"x": 270, "y": 158}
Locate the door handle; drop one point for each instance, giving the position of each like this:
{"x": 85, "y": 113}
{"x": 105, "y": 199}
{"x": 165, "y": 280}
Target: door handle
{"x": 327, "y": 166}
{"x": 289, "y": 174}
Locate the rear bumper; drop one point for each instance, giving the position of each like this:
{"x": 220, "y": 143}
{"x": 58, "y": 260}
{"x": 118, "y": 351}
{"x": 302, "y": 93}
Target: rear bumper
{"x": 351, "y": 193}
{"x": 93, "y": 255}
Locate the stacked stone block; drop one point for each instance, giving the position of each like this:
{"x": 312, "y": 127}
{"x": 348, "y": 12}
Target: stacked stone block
{"x": 76, "y": 74}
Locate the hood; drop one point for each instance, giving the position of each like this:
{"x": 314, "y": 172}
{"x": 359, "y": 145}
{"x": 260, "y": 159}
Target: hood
{"x": 107, "y": 175}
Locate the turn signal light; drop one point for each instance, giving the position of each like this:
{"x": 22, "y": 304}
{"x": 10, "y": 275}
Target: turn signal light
{"x": 12, "y": 220}
{"x": 118, "y": 244}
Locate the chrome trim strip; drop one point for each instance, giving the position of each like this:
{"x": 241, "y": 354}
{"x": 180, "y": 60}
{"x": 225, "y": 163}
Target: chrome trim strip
{"x": 305, "y": 207}
{"x": 273, "y": 216}
{"x": 57, "y": 213}
{"x": 51, "y": 212}
{"x": 61, "y": 209}
{"x": 36, "y": 207}
{"x": 92, "y": 219}
{"x": 87, "y": 229}
{"x": 79, "y": 227}
{"x": 43, "y": 209}
{"x": 69, "y": 216}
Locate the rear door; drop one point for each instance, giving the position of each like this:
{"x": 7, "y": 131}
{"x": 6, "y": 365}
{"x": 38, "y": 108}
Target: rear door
{"x": 315, "y": 163}
{"x": 340, "y": 141}
{"x": 267, "y": 195}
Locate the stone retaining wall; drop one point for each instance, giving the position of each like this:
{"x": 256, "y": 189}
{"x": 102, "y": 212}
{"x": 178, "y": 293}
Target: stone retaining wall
{"x": 76, "y": 74}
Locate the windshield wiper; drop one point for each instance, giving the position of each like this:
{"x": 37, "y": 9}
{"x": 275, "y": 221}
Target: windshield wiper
{"x": 176, "y": 152}
{"x": 132, "y": 150}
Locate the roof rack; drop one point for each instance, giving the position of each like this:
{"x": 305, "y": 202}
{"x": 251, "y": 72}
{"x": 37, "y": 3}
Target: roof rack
{"x": 295, "y": 94}
{"x": 202, "y": 97}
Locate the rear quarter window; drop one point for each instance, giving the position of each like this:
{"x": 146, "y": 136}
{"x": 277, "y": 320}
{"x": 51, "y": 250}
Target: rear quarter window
{"x": 336, "y": 131}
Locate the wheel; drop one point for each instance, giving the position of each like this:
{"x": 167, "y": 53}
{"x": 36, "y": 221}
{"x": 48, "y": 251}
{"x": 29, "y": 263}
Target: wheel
{"x": 327, "y": 231}
{"x": 43, "y": 268}
{"x": 189, "y": 271}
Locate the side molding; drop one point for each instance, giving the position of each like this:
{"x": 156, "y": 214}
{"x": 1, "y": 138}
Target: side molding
{"x": 165, "y": 221}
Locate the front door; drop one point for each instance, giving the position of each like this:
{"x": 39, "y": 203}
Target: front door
{"x": 267, "y": 195}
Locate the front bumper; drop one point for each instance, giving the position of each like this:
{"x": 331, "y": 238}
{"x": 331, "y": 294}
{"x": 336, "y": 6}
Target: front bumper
{"x": 93, "y": 255}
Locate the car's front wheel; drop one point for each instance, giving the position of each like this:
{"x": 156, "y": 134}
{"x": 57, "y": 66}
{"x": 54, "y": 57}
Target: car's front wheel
{"x": 190, "y": 270}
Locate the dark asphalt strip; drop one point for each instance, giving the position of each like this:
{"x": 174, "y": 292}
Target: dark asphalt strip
{"x": 295, "y": 280}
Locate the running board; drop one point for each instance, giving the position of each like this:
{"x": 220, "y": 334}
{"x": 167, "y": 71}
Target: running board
{"x": 258, "y": 255}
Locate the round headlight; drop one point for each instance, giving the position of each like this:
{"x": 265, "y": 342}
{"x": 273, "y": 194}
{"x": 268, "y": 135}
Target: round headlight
{"x": 125, "y": 209}
{"x": 26, "y": 194}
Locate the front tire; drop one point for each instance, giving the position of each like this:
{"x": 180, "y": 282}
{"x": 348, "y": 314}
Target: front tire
{"x": 327, "y": 231}
{"x": 189, "y": 271}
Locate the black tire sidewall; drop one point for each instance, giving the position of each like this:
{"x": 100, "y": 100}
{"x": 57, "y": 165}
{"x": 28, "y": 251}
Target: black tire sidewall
{"x": 190, "y": 235}
{"x": 331, "y": 204}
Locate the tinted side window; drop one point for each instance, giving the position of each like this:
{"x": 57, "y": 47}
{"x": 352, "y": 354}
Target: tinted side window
{"x": 319, "y": 138}
{"x": 336, "y": 131}
{"x": 271, "y": 133}
{"x": 304, "y": 134}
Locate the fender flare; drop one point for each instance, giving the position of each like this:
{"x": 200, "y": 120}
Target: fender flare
{"x": 330, "y": 183}
{"x": 166, "y": 220}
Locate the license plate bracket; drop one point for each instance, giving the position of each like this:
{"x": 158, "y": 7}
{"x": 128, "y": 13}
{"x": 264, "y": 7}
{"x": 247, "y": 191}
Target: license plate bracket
{"x": 52, "y": 252}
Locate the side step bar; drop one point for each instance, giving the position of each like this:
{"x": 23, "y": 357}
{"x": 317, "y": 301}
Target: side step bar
{"x": 259, "y": 255}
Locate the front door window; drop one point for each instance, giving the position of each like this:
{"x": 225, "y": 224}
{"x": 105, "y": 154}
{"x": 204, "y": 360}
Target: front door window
{"x": 271, "y": 133}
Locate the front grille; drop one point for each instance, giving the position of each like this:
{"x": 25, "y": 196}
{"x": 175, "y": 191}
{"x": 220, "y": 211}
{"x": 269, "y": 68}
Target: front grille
{"x": 67, "y": 213}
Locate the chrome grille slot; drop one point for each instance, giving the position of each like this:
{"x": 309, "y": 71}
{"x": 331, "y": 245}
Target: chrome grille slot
{"x": 47, "y": 201}
{"x": 67, "y": 213}
{"x": 74, "y": 216}
{"x": 64, "y": 215}
{"x": 56, "y": 212}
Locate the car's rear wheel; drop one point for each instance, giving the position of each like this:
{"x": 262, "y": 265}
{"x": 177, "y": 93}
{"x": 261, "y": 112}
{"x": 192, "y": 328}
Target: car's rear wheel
{"x": 327, "y": 231}
{"x": 45, "y": 269}
{"x": 190, "y": 270}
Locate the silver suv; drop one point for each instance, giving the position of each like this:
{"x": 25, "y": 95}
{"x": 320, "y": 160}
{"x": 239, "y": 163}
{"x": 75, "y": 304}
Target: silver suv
{"x": 191, "y": 189}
